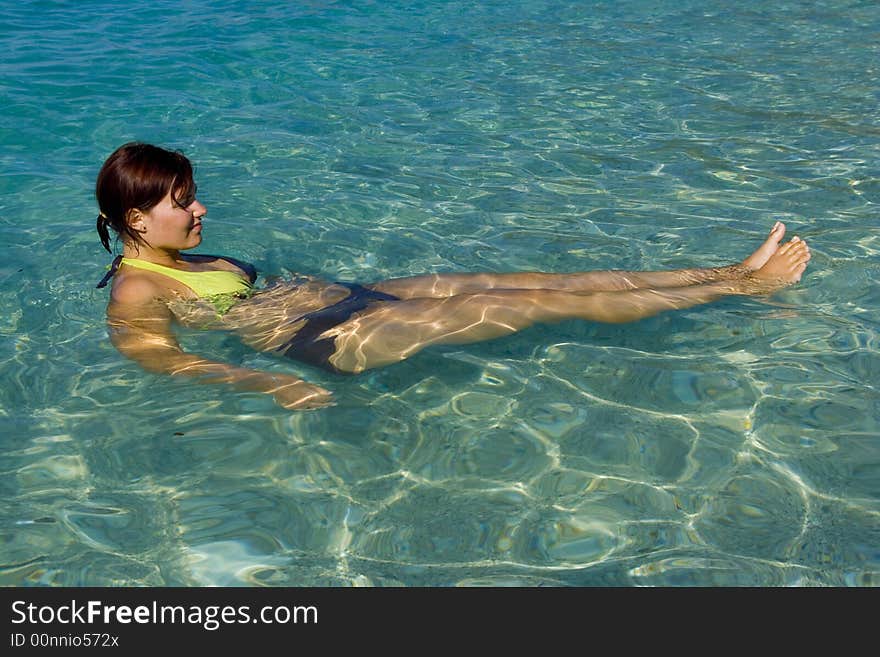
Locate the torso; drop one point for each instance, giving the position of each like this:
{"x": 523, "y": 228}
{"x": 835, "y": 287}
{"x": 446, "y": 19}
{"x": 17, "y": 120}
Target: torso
{"x": 264, "y": 321}
{"x": 177, "y": 290}
{"x": 272, "y": 315}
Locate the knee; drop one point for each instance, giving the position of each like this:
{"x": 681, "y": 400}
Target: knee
{"x": 350, "y": 361}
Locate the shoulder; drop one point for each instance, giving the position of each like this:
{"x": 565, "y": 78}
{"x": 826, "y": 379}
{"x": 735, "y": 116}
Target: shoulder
{"x": 137, "y": 303}
{"x": 135, "y": 289}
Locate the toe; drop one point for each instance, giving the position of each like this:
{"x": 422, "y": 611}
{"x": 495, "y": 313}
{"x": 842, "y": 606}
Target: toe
{"x": 799, "y": 246}
{"x": 788, "y": 246}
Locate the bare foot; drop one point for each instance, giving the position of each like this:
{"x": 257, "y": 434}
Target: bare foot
{"x": 760, "y": 257}
{"x": 783, "y": 267}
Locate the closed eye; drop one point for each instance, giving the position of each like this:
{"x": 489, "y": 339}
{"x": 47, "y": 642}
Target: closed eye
{"x": 187, "y": 200}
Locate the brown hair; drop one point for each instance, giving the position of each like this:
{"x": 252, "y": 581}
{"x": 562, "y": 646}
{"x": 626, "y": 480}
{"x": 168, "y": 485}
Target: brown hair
{"x": 136, "y": 177}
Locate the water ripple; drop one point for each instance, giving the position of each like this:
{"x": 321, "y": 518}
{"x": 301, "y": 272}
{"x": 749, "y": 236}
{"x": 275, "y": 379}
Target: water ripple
{"x": 730, "y": 444}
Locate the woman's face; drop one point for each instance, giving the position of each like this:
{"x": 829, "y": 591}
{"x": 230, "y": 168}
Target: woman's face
{"x": 173, "y": 225}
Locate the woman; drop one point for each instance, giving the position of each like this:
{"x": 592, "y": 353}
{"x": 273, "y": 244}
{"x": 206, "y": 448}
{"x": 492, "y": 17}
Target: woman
{"x": 147, "y": 196}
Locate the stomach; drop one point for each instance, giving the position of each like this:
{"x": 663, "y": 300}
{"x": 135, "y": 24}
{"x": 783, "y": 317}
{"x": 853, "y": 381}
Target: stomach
{"x": 268, "y": 318}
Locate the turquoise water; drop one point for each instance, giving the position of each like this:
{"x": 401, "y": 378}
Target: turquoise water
{"x": 729, "y": 444}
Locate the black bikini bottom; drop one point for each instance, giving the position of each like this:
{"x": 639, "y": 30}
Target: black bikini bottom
{"x": 306, "y": 347}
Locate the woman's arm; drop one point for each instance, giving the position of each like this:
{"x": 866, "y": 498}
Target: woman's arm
{"x": 140, "y": 328}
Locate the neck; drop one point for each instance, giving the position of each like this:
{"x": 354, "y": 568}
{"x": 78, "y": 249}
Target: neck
{"x": 167, "y": 257}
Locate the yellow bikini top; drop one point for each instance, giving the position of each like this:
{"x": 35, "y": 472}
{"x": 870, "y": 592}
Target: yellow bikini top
{"x": 203, "y": 283}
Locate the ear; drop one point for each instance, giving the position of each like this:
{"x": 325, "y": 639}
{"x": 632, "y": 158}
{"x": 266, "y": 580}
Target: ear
{"x": 135, "y": 219}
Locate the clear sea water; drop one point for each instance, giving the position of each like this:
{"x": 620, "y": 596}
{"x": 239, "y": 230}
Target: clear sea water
{"x": 729, "y": 444}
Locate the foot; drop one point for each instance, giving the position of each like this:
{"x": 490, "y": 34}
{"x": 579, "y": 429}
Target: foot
{"x": 783, "y": 267}
{"x": 760, "y": 257}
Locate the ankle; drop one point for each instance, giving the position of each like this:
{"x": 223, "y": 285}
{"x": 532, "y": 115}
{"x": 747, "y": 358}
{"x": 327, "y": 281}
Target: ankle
{"x": 733, "y": 272}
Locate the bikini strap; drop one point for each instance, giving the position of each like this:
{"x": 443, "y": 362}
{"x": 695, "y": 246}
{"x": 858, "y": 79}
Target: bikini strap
{"x": 110, "y": 272}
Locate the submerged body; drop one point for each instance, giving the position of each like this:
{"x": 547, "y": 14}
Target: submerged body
{"x": 272, "y": 319}
{"x": 348, "y": 327}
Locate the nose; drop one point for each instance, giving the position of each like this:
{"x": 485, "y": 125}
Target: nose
{"x": 198, "y": 210}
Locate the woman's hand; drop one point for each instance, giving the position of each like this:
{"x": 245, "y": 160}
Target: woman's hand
{"x": 298, "y": 395}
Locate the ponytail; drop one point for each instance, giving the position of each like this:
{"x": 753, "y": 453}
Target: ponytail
{"x": 103, "y": 233}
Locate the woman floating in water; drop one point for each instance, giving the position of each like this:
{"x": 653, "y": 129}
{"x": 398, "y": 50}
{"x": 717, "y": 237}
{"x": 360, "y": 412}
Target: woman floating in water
{"x": 147, "y": 196}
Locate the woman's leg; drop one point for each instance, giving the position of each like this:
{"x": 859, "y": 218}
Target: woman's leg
{"x": 447, "y": 285}
{"x": 390, "y": 332}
